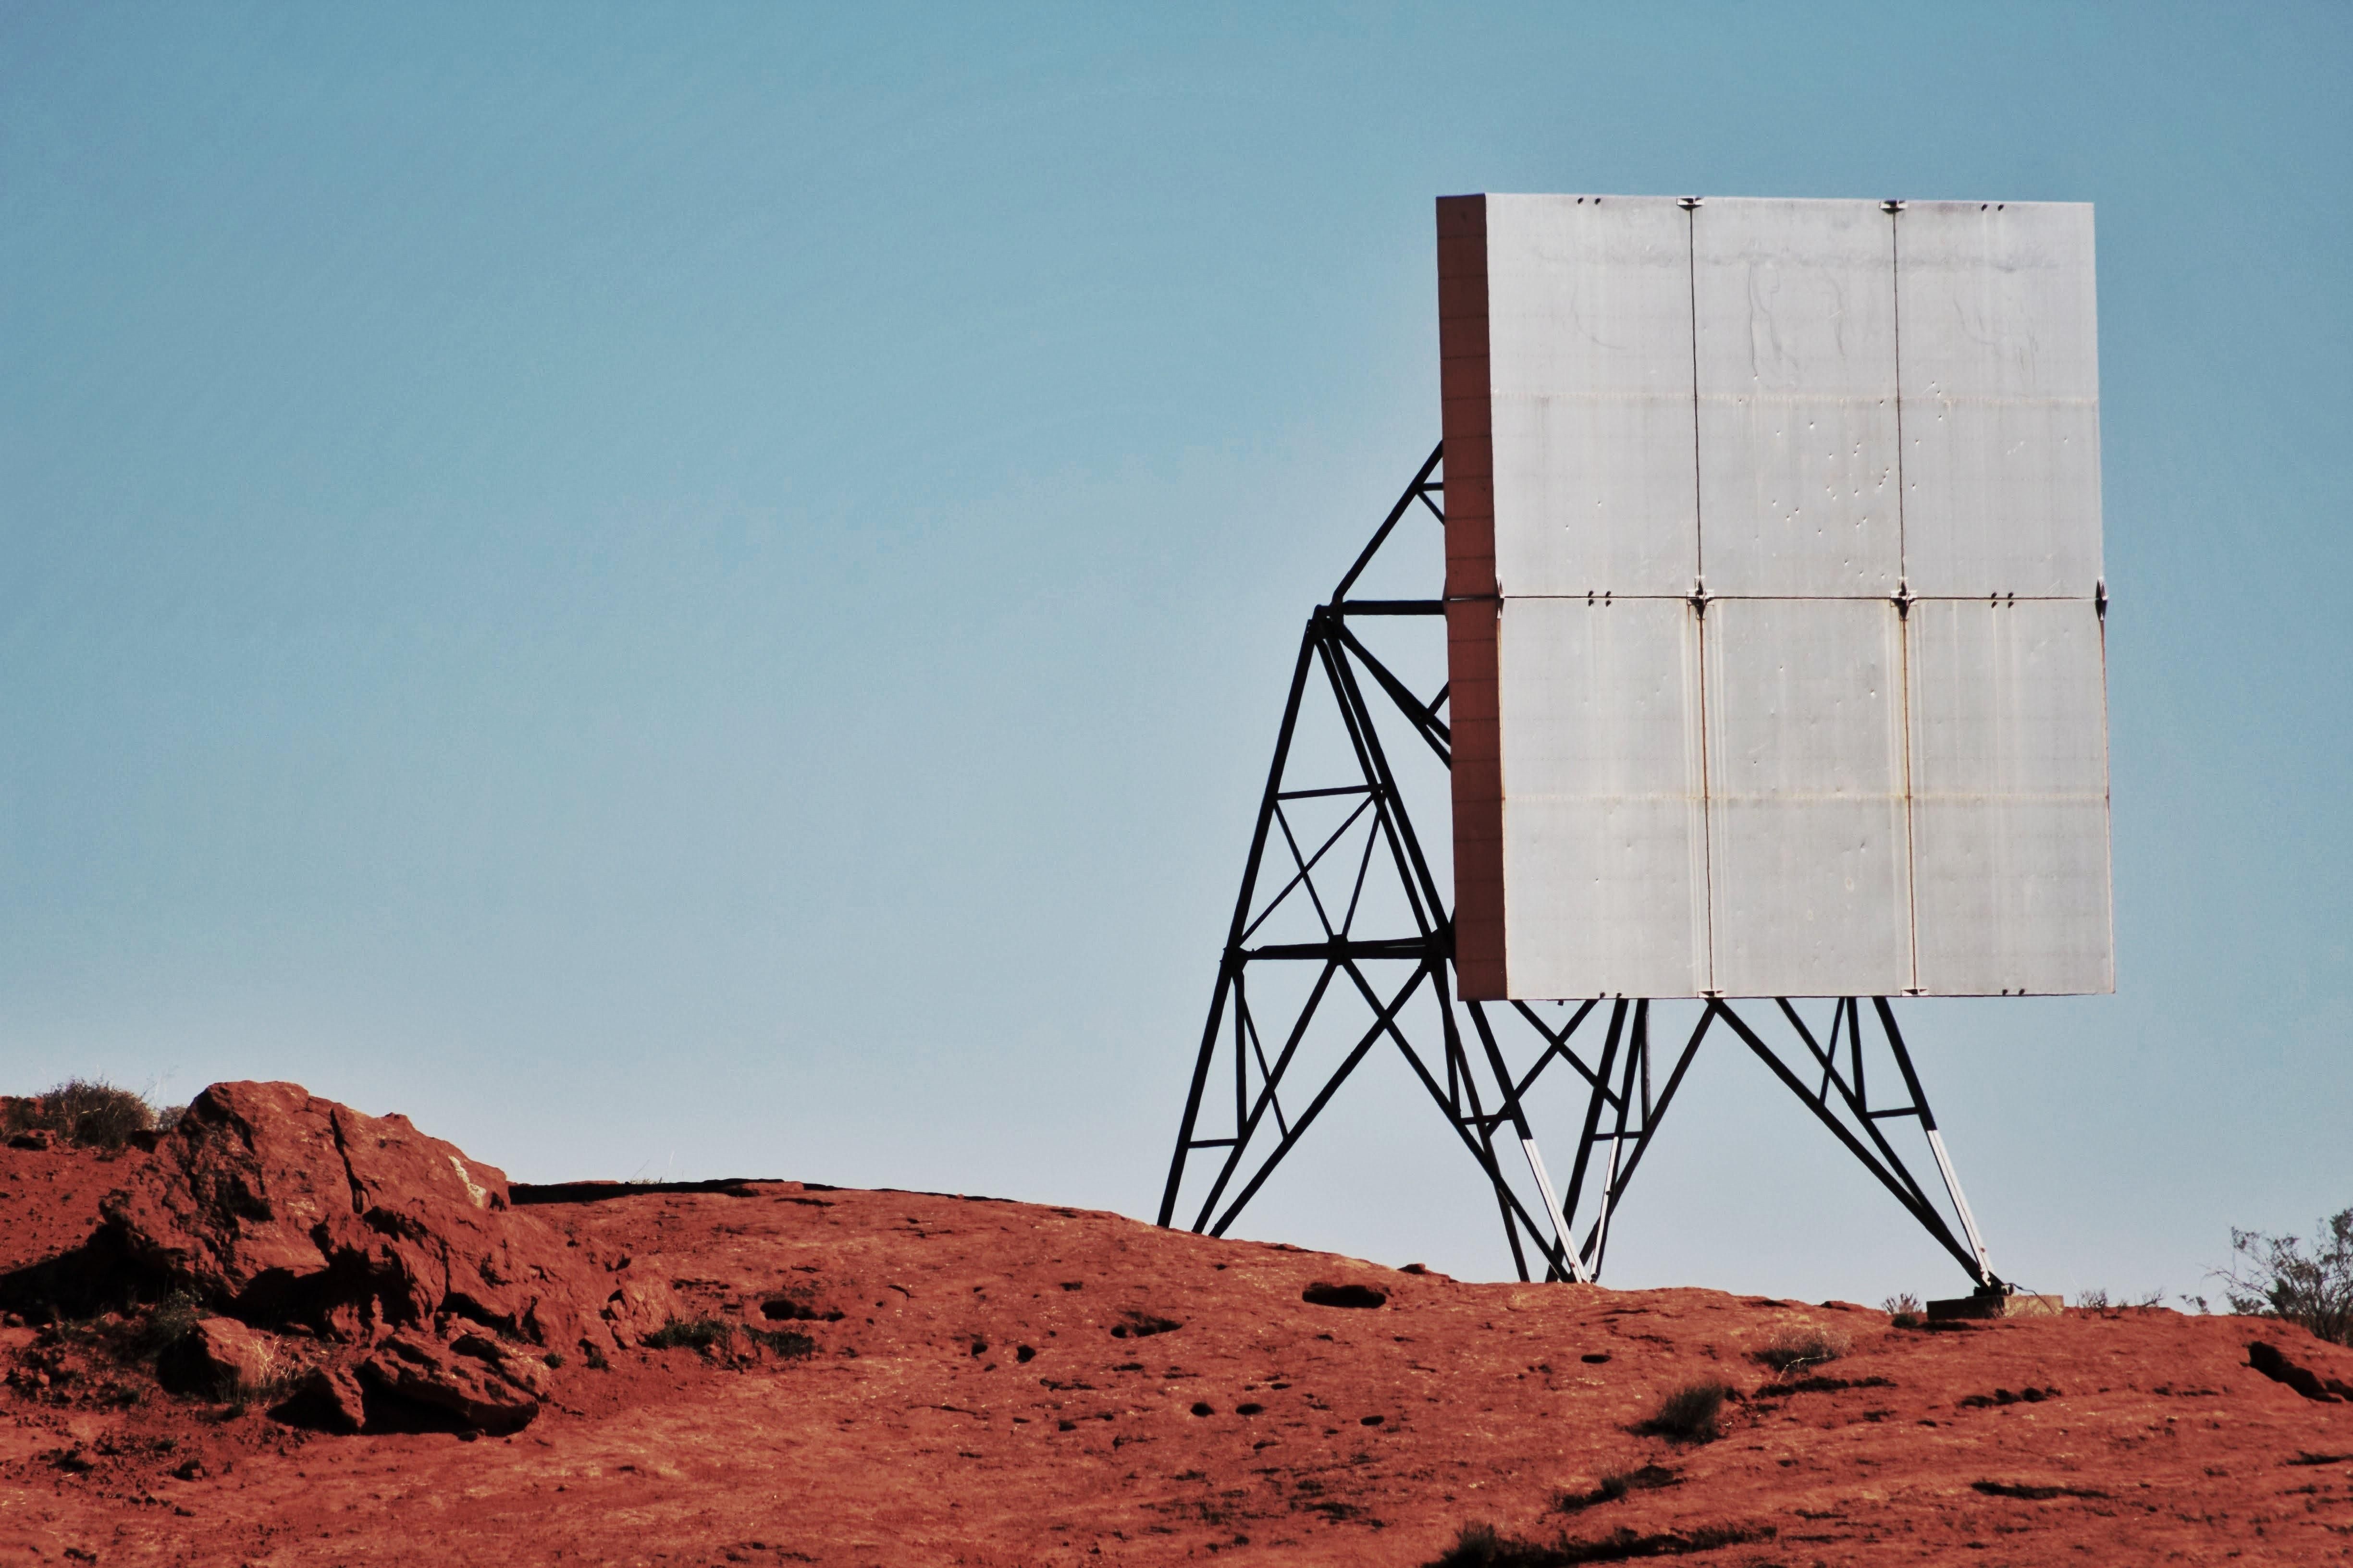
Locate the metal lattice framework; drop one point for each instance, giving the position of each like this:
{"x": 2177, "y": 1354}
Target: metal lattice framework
{"x": 1374, "y": 954}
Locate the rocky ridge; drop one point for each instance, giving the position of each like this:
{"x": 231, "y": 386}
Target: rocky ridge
{"x": 802, "y": 1374}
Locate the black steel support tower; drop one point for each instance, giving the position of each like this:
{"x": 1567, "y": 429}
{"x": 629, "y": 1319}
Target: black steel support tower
{"x": 1359, "y": 863}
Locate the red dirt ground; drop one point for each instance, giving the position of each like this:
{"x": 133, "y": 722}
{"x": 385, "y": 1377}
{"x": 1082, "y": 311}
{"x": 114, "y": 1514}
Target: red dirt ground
{"x": 977, "y": 1402}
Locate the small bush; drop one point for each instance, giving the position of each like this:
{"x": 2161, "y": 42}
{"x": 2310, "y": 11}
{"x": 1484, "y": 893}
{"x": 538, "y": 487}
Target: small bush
{"x": 700, "y": 1333}
{"x": 1689, "y": 1415}
{"x": 785, "y": 1342}
{"x": 1904, "y": 1309}
{"x": 1647, "y": 1478}
{"x": 2272, "y": 1277}
{"x": 1474, "y": 1546}
{"x": 275, "y": 1389}
{"x": 91, "y": 1112}
{"x": 162, "y": 1325}
{"x": 2101, "y": 1301}
{"x": 1792, "y": 1350}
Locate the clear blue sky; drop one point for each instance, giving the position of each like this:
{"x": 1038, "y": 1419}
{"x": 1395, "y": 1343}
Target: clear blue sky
{"x": 705, "y": 590}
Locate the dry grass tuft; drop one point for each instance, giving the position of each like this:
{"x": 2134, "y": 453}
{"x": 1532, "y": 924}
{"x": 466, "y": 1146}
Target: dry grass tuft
{"x": 1793, "y": 1350}
{"x": 1689, "y": 1415}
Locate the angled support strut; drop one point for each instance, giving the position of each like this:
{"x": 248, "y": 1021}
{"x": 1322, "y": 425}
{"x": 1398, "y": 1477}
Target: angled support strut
{"x": 1393, "y": 977}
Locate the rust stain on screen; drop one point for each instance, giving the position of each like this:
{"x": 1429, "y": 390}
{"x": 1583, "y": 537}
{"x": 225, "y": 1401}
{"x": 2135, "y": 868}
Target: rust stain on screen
{"x": 1470, "y": 599}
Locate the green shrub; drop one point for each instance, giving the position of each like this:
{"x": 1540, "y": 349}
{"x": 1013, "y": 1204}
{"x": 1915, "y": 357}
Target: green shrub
{"x": 2272, "y": 1277}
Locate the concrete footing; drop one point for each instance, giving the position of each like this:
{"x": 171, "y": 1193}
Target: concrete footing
{"x": 1998, "y": 1307}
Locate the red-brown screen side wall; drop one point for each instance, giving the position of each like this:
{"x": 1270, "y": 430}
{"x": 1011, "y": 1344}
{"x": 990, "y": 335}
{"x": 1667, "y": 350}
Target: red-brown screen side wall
{"x": 1470, "y": 601}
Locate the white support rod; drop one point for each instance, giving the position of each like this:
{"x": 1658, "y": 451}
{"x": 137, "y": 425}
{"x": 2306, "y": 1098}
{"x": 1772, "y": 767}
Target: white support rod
{"x": 1552, "y": 1211}
{"x": 1961, "y": 1204}
{"x": 1608, "y": 1205}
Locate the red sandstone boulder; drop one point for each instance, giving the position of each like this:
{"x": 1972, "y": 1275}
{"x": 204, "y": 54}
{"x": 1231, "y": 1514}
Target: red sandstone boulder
{"x": 475, "y": 1379}
{"x": 640, "y": 1304}
{"x": 278, "y": 1207}
{"x": 328, "y": 1399}
{"x": 277, "y": 1210}
{"x": 220, "y": 1358}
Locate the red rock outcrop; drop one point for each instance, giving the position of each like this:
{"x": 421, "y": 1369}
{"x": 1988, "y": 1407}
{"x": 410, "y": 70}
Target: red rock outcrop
{"x": 275, "y": 1210}
{"x": 277, "y": 1207}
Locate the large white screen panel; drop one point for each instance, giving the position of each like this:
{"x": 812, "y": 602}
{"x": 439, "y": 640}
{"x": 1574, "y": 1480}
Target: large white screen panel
{"x": 1589, "y": 307}
{"x": 2011, "y": 798}
{"x": 1796, "y": 348}
{"x": 1604, "y": 827}
{"x": 1809, "y": 858}
{"x": 1999, "y": 366}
